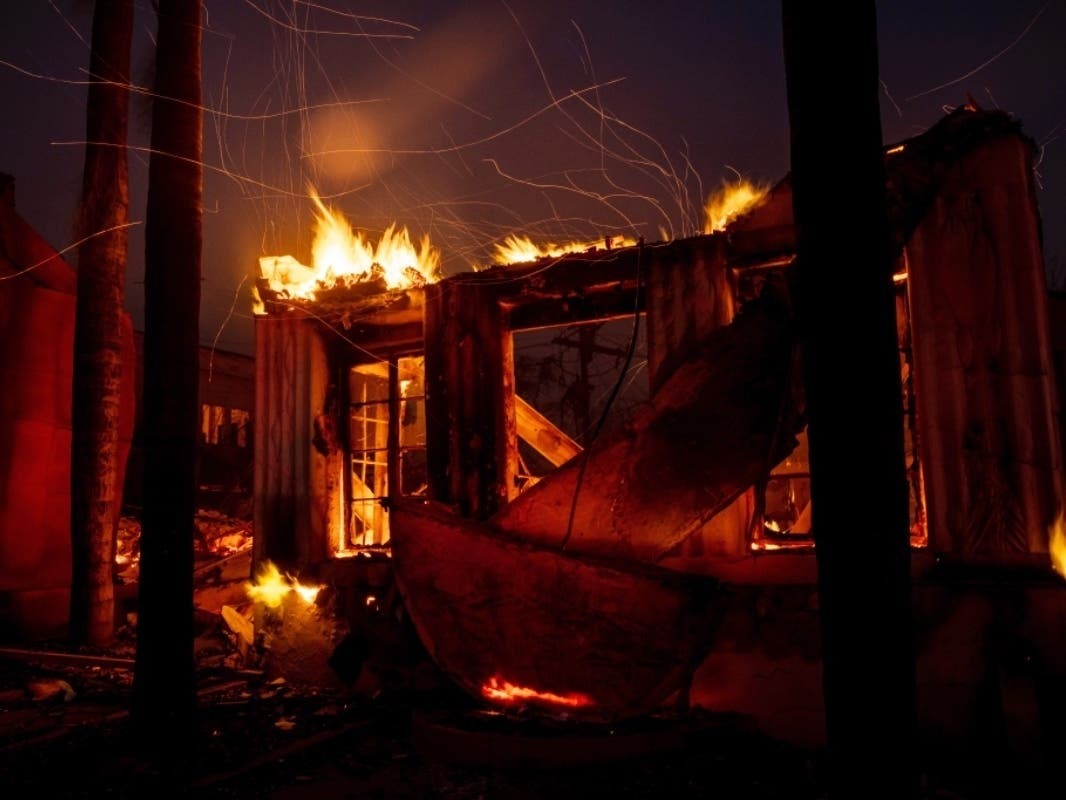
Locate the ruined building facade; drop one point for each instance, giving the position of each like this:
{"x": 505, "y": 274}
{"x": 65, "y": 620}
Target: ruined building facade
{"x": 368, "y": 397}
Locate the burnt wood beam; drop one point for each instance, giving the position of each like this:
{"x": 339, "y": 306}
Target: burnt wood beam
{"x": 438, "y": 414}
{"x": 548, "y": 312}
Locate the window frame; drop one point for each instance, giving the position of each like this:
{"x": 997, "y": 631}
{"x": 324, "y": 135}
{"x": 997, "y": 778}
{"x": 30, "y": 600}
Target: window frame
{"x": 393, "y": 451}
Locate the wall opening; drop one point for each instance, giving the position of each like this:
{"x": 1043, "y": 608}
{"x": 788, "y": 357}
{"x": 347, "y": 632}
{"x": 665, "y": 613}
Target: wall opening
{"x": 386, "y": 445}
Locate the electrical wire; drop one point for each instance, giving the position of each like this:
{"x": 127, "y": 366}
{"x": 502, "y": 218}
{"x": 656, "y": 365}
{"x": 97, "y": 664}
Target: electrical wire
{"x": 610, "y": 400}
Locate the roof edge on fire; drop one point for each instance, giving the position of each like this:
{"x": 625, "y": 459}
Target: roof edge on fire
{"x": 915, "y": 171}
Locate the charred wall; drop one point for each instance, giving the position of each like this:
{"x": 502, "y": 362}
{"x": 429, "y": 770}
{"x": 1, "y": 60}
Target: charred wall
{"x": 988, "y": 408}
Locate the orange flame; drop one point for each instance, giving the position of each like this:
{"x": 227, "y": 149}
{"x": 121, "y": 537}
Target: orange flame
{"x": 1057, "y": 544}
{"x": 271, "y": 587}
{"x": 732, "y": 199}
{"x": 516, "y": 249}
{"x": 258, "y": 306}
{"x": 506, "y": 692}
{"x": 308, "y": 593}
{"x": 343, "y": 257}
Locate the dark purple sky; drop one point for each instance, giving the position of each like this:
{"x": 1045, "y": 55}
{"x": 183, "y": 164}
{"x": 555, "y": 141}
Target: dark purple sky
{"x": 451, "y": 131}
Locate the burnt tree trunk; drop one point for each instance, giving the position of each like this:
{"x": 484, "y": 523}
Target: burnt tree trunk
{"x": 95, "y": 492}
{"x": 164, "y": 682}
{"x": 844, "y": 303}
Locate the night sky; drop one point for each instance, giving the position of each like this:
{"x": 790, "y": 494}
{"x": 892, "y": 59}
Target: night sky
{"x": 440, "y": 116}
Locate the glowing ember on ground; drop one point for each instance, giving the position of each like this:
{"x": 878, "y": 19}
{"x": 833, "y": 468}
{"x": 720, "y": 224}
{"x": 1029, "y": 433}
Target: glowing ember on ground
{"x": 517, "y": 249}
{"x": 506, "y": 692}
{"x": 730, "y": 201}
{"x": 1057, "y": 544}
{"x": 271, "y": 587}
{"x": 343, "y": 257}
{"x": 761, "y": 545}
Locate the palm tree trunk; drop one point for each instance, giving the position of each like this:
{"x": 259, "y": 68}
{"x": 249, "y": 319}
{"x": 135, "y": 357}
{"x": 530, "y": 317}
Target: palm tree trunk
{"x": 164, "y": 689}
{"x": 94, "y": 489}
{"x": 858, "y": 482}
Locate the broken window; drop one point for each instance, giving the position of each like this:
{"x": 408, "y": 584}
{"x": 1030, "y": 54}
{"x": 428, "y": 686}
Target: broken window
{"x": 386, "y": 444}
{"x": 565, "y": 384}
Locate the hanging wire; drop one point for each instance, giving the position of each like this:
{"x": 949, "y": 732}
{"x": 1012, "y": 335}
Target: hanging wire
{"x": 610, "y": 399}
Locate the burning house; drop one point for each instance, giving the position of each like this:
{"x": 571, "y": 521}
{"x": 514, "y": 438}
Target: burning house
{"x": 675, "y": 552}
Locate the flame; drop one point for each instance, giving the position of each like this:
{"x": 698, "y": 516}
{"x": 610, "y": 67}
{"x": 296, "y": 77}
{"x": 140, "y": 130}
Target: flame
{"x": 730, "y": 201}
{"x": 271, "y": 587}
{"x": 506, "y": 692}
{"x": 308, "y": 593}
{"x": 341, "y": 256}
{"x": 1057, "y": 544}
{"x": 761, "y": 545}
{"x": 516, "y": 249}
{"x": 258, "y": 306}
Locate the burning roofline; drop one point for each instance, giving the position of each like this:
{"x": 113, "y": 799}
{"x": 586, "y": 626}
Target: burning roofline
{"x": 914, "y": 171}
